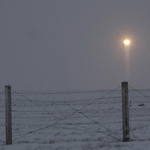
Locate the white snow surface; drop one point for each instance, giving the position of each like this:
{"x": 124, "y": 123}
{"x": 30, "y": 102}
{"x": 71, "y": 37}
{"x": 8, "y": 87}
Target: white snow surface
{"x": 76, "y": 120}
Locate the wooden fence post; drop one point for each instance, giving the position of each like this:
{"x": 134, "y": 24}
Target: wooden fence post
{"x": 125, "y": 112}
{"x": 8, "y": 116}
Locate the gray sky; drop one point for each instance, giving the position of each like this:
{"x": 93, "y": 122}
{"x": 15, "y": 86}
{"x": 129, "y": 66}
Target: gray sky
{"x": 73, "y": 44}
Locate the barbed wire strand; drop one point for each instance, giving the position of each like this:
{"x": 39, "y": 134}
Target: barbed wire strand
{"x": 61, "y": 119}
{"x": 137, "y": 120}
{"x": 131, "y": 130}
{"x": 103, "y": 127}
{"x": 63, "y": 92}
{"x": 135, "y": 136}
{"x": 140, "y": 92}
{"x": 90, "y": 118}
{"x": 37, "y": 105}
{"x": 91, "y": 104}
{"x": 100, "y": 97}
{"x": 40, "y": 106}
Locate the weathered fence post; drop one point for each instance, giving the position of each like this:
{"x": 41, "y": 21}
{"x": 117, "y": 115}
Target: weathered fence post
{"x": 125, "y": 112}
{"x": 8, "y": 116}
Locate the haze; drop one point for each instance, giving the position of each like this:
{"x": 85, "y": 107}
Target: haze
{"x": 73, "y": 44}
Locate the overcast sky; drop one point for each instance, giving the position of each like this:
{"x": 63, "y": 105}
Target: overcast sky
{"x": 73, "y": 44}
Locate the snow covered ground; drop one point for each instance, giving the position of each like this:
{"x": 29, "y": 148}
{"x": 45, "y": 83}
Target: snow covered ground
{"x": 81, "y": 120}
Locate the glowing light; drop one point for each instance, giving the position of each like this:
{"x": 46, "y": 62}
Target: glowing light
{"x": 127, "y": 56}
{"x": 126, "y": 42}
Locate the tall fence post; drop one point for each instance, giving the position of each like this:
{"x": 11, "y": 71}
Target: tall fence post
{"x": 125, "y": 112}
{"x": 8, "y": 116}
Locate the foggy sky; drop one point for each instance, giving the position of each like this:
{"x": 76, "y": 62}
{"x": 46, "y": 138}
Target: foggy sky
{"x": 73, "y": 44}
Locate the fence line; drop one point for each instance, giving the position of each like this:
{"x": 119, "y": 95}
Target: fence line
{"x": 70, "y": 106}
{"x": 138, "y": 111}
{"x": 55, "y": 114}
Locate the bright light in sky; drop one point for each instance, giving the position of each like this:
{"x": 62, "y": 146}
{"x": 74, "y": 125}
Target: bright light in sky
{"x": 126, "y": 42}
{"x": 127, "y": 56}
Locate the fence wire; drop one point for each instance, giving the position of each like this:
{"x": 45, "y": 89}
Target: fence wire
{"x": 58, "y": 114}
{"x": 76, "y": 115}
{"x": 139, "y": 113}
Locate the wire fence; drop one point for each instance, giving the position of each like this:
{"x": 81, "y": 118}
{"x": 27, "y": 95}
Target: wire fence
{"x": 72, "y": 116}
{"x": 64, "y": 116}
{"x": 139, "y": 100}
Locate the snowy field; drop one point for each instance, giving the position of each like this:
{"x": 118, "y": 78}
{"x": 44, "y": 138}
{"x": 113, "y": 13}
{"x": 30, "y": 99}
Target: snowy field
{"x": 81, "y": 120}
